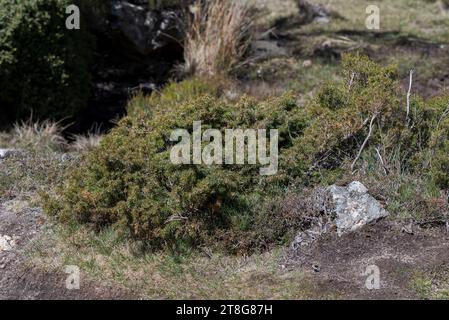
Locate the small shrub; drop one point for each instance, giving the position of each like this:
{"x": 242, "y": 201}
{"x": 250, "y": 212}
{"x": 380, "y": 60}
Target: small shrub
{"x": 130, "y": 183}
{"x": 174, "y": 94}
{"x": 332, "y": 97}
{"x": 338, "y": 120}
{"x": 436, "y": 157}
{"x": 358, "y": 125}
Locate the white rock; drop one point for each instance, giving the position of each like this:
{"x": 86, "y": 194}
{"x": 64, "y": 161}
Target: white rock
{"x": 346, "y": 209}
{"x": 357, "y": 187}
{"x": 307, "y": 63}
{"x": 6, "y": 243}
{"x": 6, "y": 152}
{"x": 354, "y": 207}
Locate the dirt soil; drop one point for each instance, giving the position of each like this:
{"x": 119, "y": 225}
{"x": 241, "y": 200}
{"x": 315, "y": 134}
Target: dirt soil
{"x": 20, "y": 280}
{"x": 337, "y": 264}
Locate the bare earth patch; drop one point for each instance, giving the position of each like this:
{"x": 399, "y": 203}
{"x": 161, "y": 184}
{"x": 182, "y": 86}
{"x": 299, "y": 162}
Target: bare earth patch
{"x": 410, "y": 265}
{"x": 19, "y": 280}
{"x": 337, "y": 264}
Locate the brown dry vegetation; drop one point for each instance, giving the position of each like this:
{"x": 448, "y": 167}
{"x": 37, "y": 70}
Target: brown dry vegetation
{"x": 217, "y": 37}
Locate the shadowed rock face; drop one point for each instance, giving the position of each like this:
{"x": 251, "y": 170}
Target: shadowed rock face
{"x": 136, "y": 50}
{"x": 143, "y": 30}
{"x": 136, "y": 28}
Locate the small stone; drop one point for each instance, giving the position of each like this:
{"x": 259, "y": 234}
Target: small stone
{"x": 322, "y": 20}
{"x": 6, "y": 243}
{"x": 307, "y": 63}
{"x": 5, "y": 152}
{"x": 408, "y": 228}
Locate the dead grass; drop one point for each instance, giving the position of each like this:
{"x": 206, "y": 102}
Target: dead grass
{"x": 195, "y": 275}
{"x": 24, "y": 175}
{"x": 38, "y": 164}
{"x": 218, "y": 36}
{"x": 85, "y": 143}
{"x": 45, "y": 135}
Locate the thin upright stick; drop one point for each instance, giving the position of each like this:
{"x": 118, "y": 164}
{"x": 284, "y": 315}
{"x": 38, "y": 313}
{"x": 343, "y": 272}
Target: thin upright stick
{"x": 409, "y": 93}
{"x": 365, "y": 142}
{"x": 381, "y": 160}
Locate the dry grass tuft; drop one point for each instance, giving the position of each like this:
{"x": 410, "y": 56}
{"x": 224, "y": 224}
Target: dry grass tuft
{"x": 85, "y": 143}
{"x": 45, "y": 135}
{"x": 218, "y": 36}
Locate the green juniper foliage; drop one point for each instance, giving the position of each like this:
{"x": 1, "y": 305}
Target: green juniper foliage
{"x": 129, "y": 182}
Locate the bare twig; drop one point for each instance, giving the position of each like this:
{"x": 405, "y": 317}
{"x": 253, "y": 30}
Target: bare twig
{"x": 444, "y": 115}
{"x": 351, "y": 81}
{"x": 409, "y": 93}
{"x": 446, "y": 214}
{"x": 175, "y": 218}
{"x": 371, "y": 126}
{"x": 381, "y": 160}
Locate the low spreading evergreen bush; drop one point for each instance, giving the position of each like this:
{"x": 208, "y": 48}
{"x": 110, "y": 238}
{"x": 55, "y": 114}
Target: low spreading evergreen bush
{"x": 361, "y": 123}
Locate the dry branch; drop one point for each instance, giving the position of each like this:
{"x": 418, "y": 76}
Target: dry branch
{"x": 409, "y": 93}
{"x": 371, "y": 126}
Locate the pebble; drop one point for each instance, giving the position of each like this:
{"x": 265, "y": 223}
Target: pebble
{"x": 6, "y": 243}
{"x": 307, "y": 63}
{"x": 6, "y": 152}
